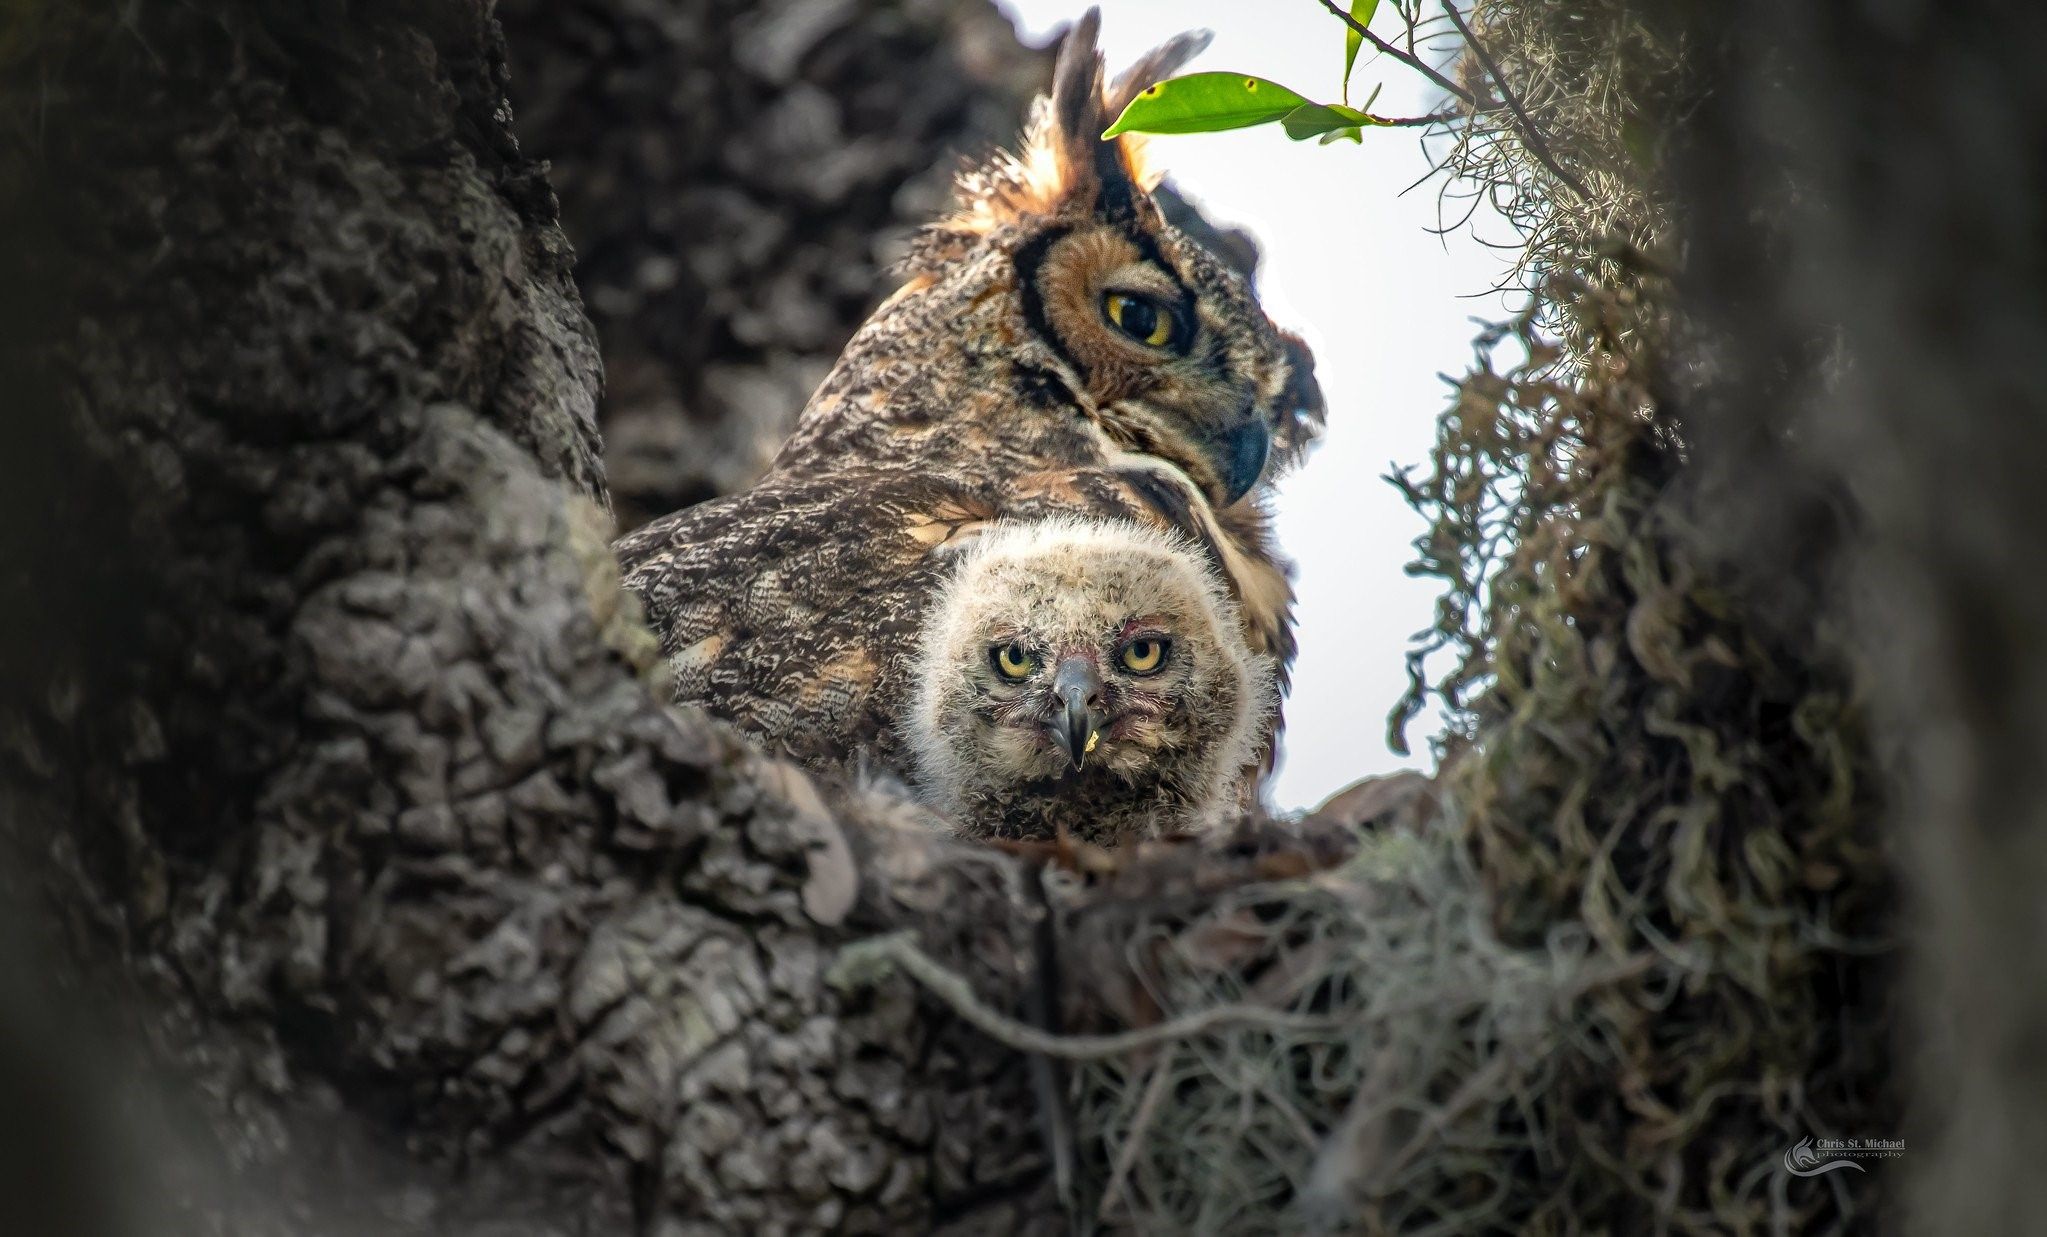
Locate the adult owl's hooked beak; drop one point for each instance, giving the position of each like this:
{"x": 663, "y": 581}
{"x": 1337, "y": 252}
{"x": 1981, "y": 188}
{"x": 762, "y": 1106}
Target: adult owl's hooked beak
{"x": 1239, "y": 456}
{"x": 1077, "y": 725}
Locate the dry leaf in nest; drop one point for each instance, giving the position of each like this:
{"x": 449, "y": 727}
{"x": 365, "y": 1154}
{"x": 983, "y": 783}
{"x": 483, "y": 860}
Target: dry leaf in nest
{"x": 1220, "y": 944}
{"x": 1065, "y": 853}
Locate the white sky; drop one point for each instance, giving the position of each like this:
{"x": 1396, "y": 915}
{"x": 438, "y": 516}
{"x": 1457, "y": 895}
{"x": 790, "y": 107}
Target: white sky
{"x": 1388, "y": 308}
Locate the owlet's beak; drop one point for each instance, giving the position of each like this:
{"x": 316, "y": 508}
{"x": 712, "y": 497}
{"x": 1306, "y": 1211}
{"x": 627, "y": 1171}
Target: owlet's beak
{"x": 1076, "y": 723}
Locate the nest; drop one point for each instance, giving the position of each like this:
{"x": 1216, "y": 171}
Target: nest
{"x": 1647, "y": 944}
{"x": 1414, "y": 1032}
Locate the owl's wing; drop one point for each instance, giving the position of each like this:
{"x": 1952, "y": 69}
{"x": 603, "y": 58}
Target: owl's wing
{"x": 794, "y": 609}
{"x": 789, "y": 608}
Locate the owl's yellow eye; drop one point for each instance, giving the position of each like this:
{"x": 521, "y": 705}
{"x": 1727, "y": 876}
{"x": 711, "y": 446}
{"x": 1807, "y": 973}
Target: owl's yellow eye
{"x": 1012, "y": 662}
{"x": 1144, "y": 655}
{"x": 1140, "y": 319}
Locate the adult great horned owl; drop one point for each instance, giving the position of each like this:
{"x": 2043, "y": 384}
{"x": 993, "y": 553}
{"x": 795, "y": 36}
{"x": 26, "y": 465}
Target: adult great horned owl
{"x": 1084, "y": 673}
{"x": 1055, "y": 348}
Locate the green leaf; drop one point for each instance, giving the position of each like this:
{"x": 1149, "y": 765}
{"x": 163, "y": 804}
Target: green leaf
{"x": 1315, "y": 119}
{"x": 1360, "y": 12}
{"x": 1205, "y": 103}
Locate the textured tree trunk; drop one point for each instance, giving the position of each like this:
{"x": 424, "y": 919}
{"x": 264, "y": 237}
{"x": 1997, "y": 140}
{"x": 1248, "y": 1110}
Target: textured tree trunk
{"x": 325, "y": 741}
{"x": 737, "y": 179}
{"x": 327, "y": 773}
{"x": 1895, "y": 232}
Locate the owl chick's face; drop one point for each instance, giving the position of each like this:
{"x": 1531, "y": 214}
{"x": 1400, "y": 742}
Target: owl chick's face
{"x": 1086, "y": 674}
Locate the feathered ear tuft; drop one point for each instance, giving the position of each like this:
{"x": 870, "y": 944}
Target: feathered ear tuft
{"x": 1073, "y": 123}
{"x": 1154, "y": 66}
{"x": 1064, "y": 167}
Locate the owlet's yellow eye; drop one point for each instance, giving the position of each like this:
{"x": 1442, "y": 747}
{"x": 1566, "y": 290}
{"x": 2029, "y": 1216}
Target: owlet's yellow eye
{"x": 1011, "y": 662}
{"x": 1140, "y": 319}
{"x": 1144, "y": 655}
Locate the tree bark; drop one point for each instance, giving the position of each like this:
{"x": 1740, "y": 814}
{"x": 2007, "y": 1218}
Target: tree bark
{"x": 1869, "y": 255}
{"x": 324, "y": 743}
{"x": 737, "y": 179}
{"x": 326, "y": 736}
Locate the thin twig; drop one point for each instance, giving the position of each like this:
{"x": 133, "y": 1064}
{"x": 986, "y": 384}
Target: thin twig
{"x": 1530, "y": 135}
{"x": 1133, "y": 1141}
{"x": 1416, "y": 122}
{"x": 1478, "y": 1086}
{"x": 862, "y": 962}
{"x": 1045, "y": 1079}
{"x": 1409, "y": 59}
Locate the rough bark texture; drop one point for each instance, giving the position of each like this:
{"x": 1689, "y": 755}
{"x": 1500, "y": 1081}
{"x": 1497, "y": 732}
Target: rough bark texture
{"x": 736, "y": 179}
{"x": 322, "y": 739}
{"x": 328, "y": 740}
{"x": 1835, "y": 210}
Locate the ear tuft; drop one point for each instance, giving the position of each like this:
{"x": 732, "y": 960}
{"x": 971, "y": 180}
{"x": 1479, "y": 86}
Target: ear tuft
{"x": 1154, "y": 66}
{"x": 1064, "y": 166}
{"x": 1075, "y": 114}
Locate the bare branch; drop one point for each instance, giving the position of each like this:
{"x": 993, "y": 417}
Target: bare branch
{"x": 1409, "y": 59}
{"x": 1531, "y": 137}
{"x": 1416, "y": 122}
{"x": 864, "y": 962}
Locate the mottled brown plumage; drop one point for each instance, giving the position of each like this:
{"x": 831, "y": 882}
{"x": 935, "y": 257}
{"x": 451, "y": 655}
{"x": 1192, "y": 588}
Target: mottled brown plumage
{"x": 1055, "y": 349}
